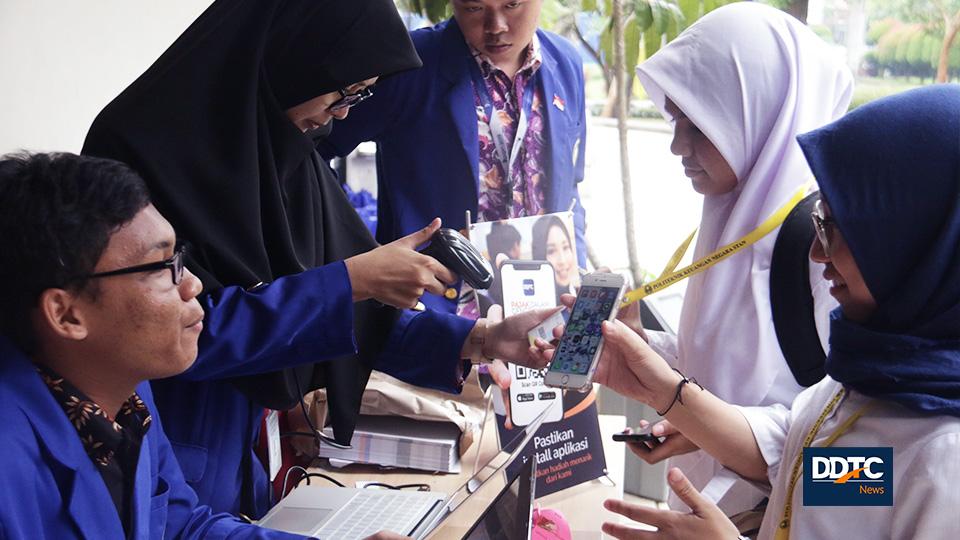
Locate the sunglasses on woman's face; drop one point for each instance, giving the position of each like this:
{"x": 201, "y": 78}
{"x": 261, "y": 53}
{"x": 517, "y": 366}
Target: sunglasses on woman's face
{"x": 349, "y": 99}
{"x": 824, "y": 227}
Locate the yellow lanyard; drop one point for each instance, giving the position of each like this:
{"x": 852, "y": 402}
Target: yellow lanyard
{"x": 783, "y": 529}
{"x": 669, "y": 276}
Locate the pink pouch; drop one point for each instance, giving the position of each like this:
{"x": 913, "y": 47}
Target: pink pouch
{"x": 549, "y": 525}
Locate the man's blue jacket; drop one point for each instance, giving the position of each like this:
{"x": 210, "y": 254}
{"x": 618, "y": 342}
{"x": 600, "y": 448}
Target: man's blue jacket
{"x": 51, "y": 488}
{"x": 425, "y": 124}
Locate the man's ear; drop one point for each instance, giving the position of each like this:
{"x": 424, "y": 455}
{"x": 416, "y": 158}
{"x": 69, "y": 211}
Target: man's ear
{"x": 60, "y": 313}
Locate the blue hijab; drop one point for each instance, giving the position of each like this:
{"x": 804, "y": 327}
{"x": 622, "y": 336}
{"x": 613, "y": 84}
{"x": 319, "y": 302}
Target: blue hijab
{"x": 890, "y": 171}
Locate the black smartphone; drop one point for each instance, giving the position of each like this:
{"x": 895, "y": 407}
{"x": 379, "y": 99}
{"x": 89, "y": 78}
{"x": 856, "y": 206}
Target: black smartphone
{"x": 642, "y": 436}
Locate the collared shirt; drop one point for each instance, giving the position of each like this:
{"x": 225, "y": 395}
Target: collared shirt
{"x": 113, "y": 445}
{"x": 924, "y": 471}
{"x": 518, "y": 192}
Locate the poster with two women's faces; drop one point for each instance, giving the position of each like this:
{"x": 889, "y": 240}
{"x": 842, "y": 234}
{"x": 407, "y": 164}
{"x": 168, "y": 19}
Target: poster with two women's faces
{"x": 534, "y": 260}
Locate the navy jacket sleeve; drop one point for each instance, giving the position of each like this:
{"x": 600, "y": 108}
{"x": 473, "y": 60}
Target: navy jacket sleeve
{"x": 424, "y": 350}
{"x": 308, "y": 317}
{"x": 301, "y": 318}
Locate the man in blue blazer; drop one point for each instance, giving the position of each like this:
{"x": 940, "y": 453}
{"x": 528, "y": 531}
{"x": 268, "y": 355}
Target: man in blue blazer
{"x": 101, "y": 304}
{"x": 425, "y": 121}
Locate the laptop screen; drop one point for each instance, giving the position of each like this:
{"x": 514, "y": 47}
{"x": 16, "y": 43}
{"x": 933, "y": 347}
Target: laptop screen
{"x": 508, "y": 516}
{"x": 477, "y": 494}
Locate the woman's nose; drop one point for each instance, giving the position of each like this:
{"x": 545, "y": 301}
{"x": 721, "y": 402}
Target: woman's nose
{"x": 817, "y": 253}
{"x": 680, "y": 144}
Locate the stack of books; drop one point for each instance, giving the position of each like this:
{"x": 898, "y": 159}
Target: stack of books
{"x": 392, "y": 441}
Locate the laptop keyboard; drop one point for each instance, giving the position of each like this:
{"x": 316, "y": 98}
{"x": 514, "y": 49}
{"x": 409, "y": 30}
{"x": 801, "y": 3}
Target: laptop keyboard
{"x": 375, "y": 510}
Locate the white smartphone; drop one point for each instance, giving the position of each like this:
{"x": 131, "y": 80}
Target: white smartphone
{"x": 575, "y": 359}
{"x": 529, "y": 285}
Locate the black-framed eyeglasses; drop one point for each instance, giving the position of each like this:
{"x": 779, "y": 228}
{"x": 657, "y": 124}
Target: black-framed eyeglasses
{"x": 824, "y": 227}
{"x": 349, "y": 99}
{"x": 174, "y": 263}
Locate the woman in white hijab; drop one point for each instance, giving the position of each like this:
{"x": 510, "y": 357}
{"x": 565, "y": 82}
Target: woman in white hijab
{"x": 740, "y": 85}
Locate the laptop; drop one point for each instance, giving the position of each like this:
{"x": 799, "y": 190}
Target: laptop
{"x": 509, "y": 516}
{"x": 349, "y": 513}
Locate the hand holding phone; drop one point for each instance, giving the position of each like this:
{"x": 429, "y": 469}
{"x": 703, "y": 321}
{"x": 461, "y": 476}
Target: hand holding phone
{"x": 652, "y": 448}
{"x": 635, "y": 437}
{"x": 577, "y": 353}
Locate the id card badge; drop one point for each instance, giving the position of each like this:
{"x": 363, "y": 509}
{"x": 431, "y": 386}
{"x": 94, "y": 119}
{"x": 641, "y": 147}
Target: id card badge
{"x": 273, "y": 444}
{"x": 545, "y": 329}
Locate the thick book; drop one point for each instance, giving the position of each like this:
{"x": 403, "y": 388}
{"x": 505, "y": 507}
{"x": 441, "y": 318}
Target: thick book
{"x": 394, "y": 441}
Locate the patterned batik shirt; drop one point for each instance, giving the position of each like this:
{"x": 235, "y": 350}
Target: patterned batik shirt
{"x": 113, "y": 445}
{"x": 520, "y": 191}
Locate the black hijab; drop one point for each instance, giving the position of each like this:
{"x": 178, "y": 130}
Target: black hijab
{"x": 206, "y": 127}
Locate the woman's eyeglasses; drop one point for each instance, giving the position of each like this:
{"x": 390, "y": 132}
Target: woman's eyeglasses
{"x": 348, "y": 99}
{"x": 824, "y": 227}
{"x": 174, "y": 263}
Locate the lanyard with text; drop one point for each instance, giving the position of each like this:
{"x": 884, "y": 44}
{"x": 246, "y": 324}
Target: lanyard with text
{"x": 506, "y": 153}
{"x": 783, "y": 528}
{"x": 669, "y": 276}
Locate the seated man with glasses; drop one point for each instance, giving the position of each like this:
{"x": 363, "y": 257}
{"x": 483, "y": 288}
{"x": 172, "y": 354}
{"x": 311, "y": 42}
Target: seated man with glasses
{"x": 97, "y": 303}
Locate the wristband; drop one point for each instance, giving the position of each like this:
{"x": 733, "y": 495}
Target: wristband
{"x": 478, "y": 338}
{"x": 677, "y": 396}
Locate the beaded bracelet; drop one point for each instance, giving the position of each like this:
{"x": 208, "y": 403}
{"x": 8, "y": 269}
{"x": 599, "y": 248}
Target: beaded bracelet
{"x": 678, "y": 397}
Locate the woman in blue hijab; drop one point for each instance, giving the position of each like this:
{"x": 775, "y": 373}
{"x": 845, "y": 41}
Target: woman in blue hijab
{"x": 888, "y": 235}
{"x": 890, "y": 177}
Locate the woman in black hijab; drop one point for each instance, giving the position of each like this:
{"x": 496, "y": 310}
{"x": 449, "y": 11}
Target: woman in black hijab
{"x": 216, "y": 127}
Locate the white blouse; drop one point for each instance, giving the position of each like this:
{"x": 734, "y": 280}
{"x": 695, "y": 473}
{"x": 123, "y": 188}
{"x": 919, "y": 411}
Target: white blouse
{"x": 926, "y": 467}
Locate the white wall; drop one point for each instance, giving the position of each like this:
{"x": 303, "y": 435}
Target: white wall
{"x": 61, "y": 61}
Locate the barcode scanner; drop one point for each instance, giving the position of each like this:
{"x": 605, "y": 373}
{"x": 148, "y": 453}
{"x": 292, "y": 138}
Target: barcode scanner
{"x": 455, "y": 252}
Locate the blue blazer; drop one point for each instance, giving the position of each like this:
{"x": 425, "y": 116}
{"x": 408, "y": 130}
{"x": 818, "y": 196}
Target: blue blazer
{"x": 297, "y": 319}
{"x": 425, "y": 124}
{"x": 51, "y": 488}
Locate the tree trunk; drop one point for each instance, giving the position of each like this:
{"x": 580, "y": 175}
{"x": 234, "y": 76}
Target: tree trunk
{"x": 610, "y": 105}
{"x": 798, "y": 8}
{"x": 948, "y": 38}
{"x": 856, "y": 34}
{"x": 619, "y": 63}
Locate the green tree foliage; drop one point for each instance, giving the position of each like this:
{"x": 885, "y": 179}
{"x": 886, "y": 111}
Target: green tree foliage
{"x": 909, "y": 49}
{"x": 434, "y": 10}
{"x": 939, "y": 19}
{"x": 878, "y": 29}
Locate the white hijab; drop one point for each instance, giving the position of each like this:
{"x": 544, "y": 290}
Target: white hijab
{"x": 751, "y": 78}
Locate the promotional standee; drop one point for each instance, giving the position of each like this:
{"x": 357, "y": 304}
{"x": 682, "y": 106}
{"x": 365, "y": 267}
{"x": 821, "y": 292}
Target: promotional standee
{"x": 528, "y": 285}
{"x": 534, "y": 261}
